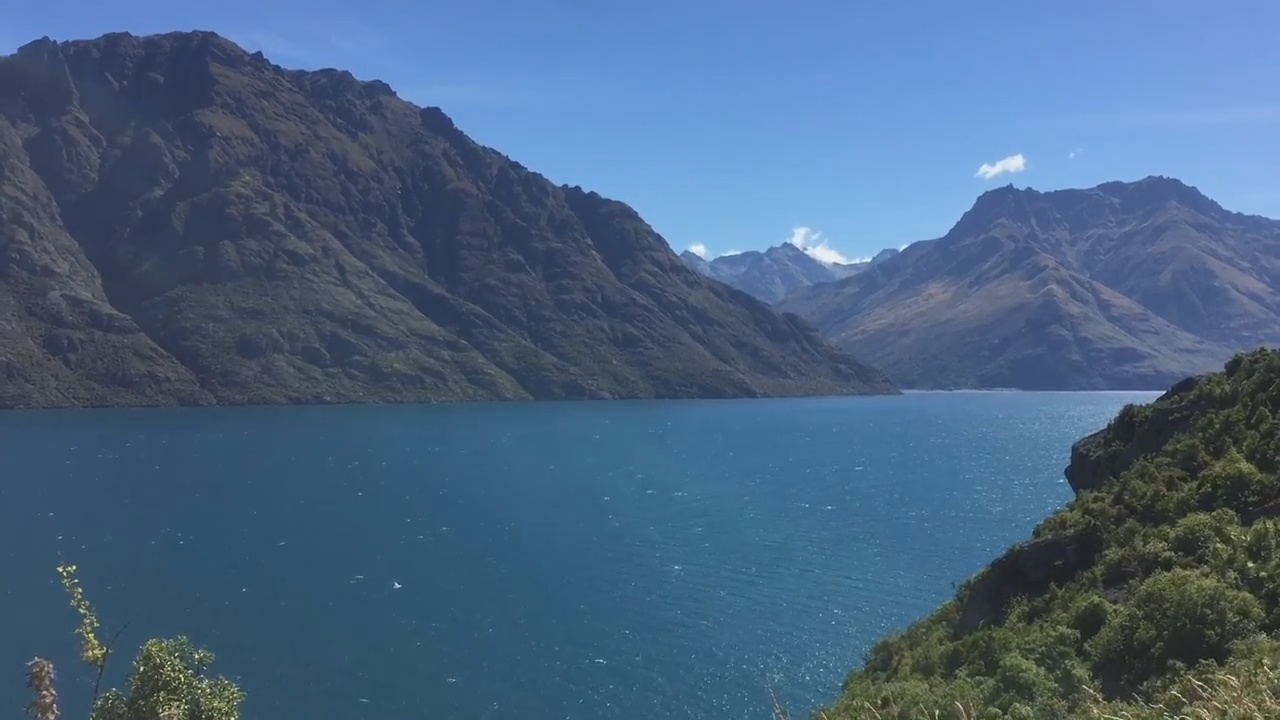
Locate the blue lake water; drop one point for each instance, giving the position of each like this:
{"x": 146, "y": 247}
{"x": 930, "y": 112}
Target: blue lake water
{"x": 626, "y": 560}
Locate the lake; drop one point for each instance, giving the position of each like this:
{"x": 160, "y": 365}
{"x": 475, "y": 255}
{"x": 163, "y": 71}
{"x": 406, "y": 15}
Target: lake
{"x": 612, "y": 560}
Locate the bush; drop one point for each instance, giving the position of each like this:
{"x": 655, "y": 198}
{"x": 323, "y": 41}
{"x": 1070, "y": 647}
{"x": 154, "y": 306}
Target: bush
{"x": 1175, "y": 620}
{"x": 167, "y": 680}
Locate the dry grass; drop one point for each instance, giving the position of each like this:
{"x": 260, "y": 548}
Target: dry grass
{"x": 1251, "y": 695}
{"x": 867, "y": 712}
{"x": 1246, "y": 695}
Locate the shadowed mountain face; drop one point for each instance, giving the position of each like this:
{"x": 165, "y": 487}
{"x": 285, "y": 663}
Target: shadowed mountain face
{"x": 184, "y": 222}
{"x": 1125, "y": 285}
{"x": 777, "y": 272}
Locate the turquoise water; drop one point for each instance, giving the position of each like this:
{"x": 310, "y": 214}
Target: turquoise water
{"x": 543, "y": 561}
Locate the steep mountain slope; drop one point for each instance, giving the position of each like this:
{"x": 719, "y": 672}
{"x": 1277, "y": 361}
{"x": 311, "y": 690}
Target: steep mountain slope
{"x": 777, "y": 272}
{"x": 1154, "y": 582}
{"x": 184, "y": 222}
{"x": 1126, "y": 285}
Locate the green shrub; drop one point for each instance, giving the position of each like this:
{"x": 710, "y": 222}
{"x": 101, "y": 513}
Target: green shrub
{"x": 168, "y": 680}
{"x": 1174, "y": 620}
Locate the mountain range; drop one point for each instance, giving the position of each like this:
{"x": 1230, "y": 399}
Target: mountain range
{"x": 778, "y": 271}
{"x": 1127, "y": 285}
{"x": 183, "y": 222}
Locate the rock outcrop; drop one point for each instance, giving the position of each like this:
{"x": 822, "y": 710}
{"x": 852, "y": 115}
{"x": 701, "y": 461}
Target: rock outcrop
{"x": 1137, "y": 432}
{"x": 1025, "y": 571}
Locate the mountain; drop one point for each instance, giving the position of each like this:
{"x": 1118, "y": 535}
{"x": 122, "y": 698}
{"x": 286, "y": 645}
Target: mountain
{"x": 877, "y": 258}
{"x": 1152, "y": 594}
{"x": 187, "y": 223}
{"x": 1124, "y": 285}
{"x": 695, "y": 261}
{"x": 777, "y": 272}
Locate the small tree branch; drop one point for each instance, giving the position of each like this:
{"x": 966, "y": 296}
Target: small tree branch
{"x": 102, "y": 666}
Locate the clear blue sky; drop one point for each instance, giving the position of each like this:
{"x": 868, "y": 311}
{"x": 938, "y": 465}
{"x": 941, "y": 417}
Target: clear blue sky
{"x": 731, "y": 123}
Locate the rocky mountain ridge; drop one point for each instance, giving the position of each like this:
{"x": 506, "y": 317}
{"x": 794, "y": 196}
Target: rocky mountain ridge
{"x": 184, "y": 222}
{"x": 1127, "y": 285}
{"x": 776, "y": 272}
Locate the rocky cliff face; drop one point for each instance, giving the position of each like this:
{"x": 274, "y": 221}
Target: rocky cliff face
{"x": 1137, "y": 432}
{"x": 185, "y": 222}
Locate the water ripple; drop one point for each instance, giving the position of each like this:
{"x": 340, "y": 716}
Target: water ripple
{"x": 573, "y": 560}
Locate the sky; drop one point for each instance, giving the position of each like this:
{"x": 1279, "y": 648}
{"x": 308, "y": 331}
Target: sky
{"x": 846, "y": 127}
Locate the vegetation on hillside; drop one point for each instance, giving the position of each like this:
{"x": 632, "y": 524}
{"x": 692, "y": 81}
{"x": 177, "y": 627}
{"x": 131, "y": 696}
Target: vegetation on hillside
{"x": 1155, "y": 594}
{"x": 167, "y": 681}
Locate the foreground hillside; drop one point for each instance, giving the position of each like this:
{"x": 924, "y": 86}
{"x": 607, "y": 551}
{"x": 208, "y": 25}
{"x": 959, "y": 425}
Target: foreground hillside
{"x": 1160, "y": 576}
{"x": 185, "y": 222}
{"x": 1120, "y": 286}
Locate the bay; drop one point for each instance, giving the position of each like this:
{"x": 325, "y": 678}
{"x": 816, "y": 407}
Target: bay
{"x": 619, "y": 560}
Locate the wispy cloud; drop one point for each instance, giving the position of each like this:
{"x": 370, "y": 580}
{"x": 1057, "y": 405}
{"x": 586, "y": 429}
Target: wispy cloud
{"x": 352, "y": 36}
{"x": 1075, "y": 153}
{"x": 478, "y": 93}
{"x": 278, "y": 48}
{"x": 321, "y": 41}
{"x": 698, "y": 249}
{"x": 372, "y": 52}
{"x": 815, "y": 245}
{"x": 730, "y": 252}
{"x": 1012, "y": 164}
{"x": 1220, "y": 117}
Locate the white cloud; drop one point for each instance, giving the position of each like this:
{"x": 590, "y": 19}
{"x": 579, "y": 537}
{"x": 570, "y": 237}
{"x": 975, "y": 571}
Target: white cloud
{"x": 699, "y": 249}
{"x": 815, "y": 245}
{"x": 1075, "y": 153}
{"x": 731, "y": 252}
{"x": 1012, "y": 164}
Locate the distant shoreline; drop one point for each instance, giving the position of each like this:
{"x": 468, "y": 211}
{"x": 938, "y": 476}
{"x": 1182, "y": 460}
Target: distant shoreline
{"x": 1023, "y": 390}
{"x": 559, "y": 401}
